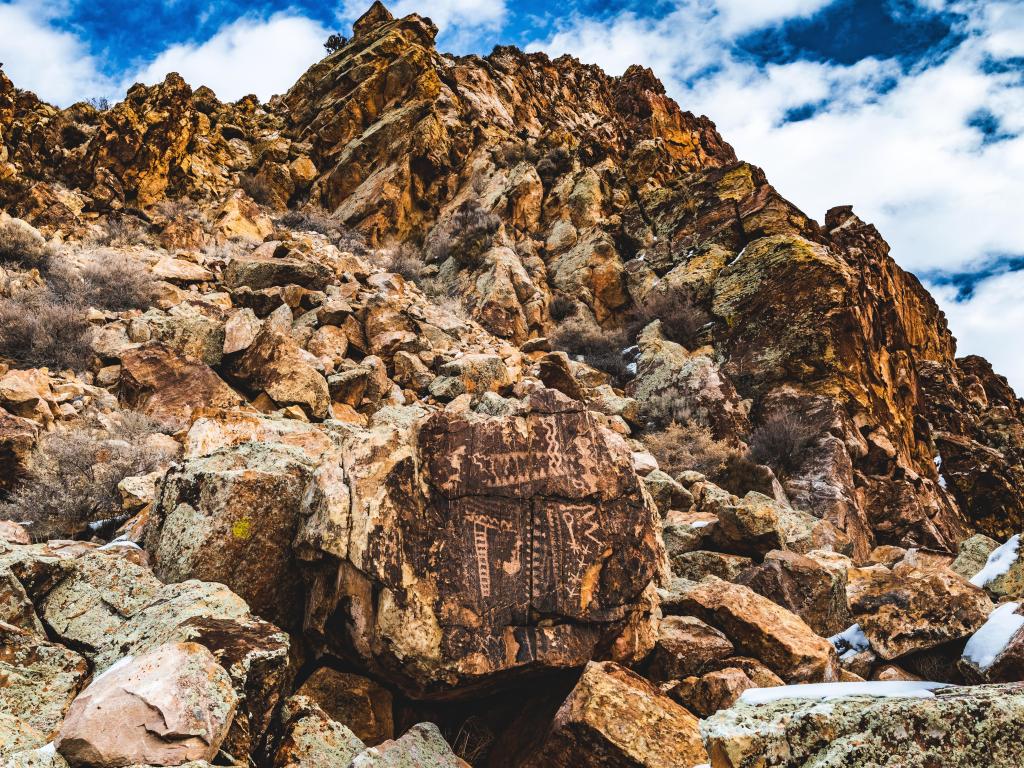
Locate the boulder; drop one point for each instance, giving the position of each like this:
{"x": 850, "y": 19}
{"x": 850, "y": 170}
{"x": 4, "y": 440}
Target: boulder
{"x": 810, "y": 590}
{"x": 311, "y": 739}
{"x": 169, "y": 387}
{"x": 230, "y": 517}
{"x": 685, "y": 646}
{"x": 907, "y": 608}
{"x": 421, "y": 745}
{"x": 700, "y": 563}
{"x": 471, "y": 374}
{"x": 13, "y": 533}
{"x": 17, "y": 439}
{"x": 38, "y": 681}
{"x": 950, "y": 727}
{"x": 276, "y": 364}
{"x": 995, "y": 653}
{"x": 364, "y": 706}
{"x": 258, "y": 272}
{"x": 441, "y": 540}
{"x": 718, "y": 689}
{"x": 972, "y": 555}
{"x": 757, "y": 524}
{"x": 615, "y": 718}
{"x": 757, "y": 627}
{"x": 166, "y": 707}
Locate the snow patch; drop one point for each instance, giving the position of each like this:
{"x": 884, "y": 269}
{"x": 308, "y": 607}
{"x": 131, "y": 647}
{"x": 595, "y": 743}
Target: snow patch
{"x": 699, "y": 523}
{"x": 908, "y": 689}
{"x": 989, "y": 641}
{"x": 998, "y": 563}
{"x": 120, "y": 543}
{"x": 850, "y": 642}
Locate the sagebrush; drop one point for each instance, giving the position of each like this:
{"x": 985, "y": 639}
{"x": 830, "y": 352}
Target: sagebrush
{"x": 689, "y": 446}
{"x": 781, "y": 441}
{"x": 21, "y": 247}
{"x": 74, "y": 476}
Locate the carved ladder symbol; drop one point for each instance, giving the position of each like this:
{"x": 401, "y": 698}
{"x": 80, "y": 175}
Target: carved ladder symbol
{"x": 482, "y": 564}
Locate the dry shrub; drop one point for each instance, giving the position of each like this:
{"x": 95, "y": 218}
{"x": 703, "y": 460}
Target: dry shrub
{"x": 123, "y": 231}
{"x": 687, "y": 446}
{"x": 681, "y": 318}
{"x": 669, "y": 406}
{"x": 465, "y": 237}
{"x": 21, "y": 246}
{"x": 257, "y": 188}
{"x": 310, "y": 220}
{"x": 781, "y": 441}
{"x": 74, "y": 476}
{"x": 328, "y": 224}
{"x": 581, "y": 337}
{"x": 556, "y": 162}
{"x": 38, "y": 328}
{"x": 110, "y": 281}
{"x": 562, "y": 307}
{"x": 405, "y": 260}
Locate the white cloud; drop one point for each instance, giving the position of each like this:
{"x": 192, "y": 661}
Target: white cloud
{"x": 250, "y": 55}
{"x": 990, "y": 323}
{"x": 40, "y": 58}
{"x": 455, "y": 13}
{"x": 744, "y": 15}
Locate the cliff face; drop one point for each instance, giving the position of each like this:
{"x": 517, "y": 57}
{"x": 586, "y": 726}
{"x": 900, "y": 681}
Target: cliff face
{"x": 418, "y": 327}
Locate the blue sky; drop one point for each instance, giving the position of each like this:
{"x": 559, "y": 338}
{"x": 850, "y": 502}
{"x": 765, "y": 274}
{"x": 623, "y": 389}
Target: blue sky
{"x": 911, "y": 110}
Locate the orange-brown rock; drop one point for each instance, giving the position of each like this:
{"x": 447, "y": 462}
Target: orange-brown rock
{"x": 168, "y": 386}
{"x": 617, "y": 719}
{"x": 813, "y": 592}
{"x": 757, "y": 627}
{"x": 686, "y": 645}
{"x": 361, "y": 704}
{"x": 907, "y": 608}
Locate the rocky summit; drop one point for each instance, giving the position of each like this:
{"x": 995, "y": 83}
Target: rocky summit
{"x": 486, "y": 411}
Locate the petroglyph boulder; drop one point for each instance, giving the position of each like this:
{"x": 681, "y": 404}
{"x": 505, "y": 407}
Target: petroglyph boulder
{"x": 448, "y": 551}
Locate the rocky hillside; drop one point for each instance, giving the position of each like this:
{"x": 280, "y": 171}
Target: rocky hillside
{"x": 453, "y": 410}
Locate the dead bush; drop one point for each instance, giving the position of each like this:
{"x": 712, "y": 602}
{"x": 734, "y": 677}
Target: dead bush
{"x": 561, "y": 308}
{"x": 681, "y": 318}
{"x": 123, "y": 231}
{"x": 405, "y": 260}
{"x": 582, "y": 338}
{"x": 554, "y": 163}
{"x": 257, "y": 188}
{"x": 20, "y": 246}
{"x": 74, "y": 477}
{"x": 38, "y": 329}
{"x": 107, "y": 280}
{"x": 781, "y": 441}
{"x": 465, "y": 237}
{"x": 687, "y": 446}
{"x": 310, "y": 220}
{"x": 669, "y": 406}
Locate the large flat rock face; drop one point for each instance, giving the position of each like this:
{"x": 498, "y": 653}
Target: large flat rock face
{"x": 470, "y": 546}
{"x": 955, "y": 727}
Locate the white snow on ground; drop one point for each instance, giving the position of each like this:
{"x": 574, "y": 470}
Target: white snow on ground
{"x": 850, "y": 642}
{"x": 121, "y": 542}
{"x": 989, "y": 641}
{"x": 908, "y": 689}
{"x": 998, "y": 562}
